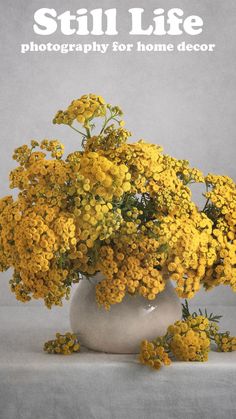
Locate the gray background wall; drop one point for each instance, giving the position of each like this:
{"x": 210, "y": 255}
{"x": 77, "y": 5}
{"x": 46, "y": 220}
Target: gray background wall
{"x": 184, "y": 101}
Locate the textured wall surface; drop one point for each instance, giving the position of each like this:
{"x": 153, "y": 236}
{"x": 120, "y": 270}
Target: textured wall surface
{"x": 184, "y": 101}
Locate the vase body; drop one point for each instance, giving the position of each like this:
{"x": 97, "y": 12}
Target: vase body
{"x": 121, "y": 329}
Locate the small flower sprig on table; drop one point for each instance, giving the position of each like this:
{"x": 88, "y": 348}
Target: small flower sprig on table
{"x": 187, "y": 340}
{"x": 66, "y": 344}
{"x": 225, "y": 342}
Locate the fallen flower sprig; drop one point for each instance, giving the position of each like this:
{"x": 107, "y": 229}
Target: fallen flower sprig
{"x": 187, "y": 340}
{"x": 225, "y": 342}
{"x": 65, "y": 344}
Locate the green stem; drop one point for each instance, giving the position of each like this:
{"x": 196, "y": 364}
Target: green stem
{"x": 205, "y": 206}
{"x": 106, "y": 122}
{"x": 88, "y": 133}
{"x": 80, "y": 132}
{"x": 103, "y": 127}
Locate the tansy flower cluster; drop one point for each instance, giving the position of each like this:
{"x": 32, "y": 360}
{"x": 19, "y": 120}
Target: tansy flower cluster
{"x": 186, "y": 340}
{"x": 129, "y": 266}
{"x": 122, "y": 209}
{"x": 63, "y": 344}
{"x": 189, "y": 339}
{"x": 225, "y": 342}
{"x": 154, "y": 354}
{"x": 221, "y": 209}
{"x": 82, "y": 110}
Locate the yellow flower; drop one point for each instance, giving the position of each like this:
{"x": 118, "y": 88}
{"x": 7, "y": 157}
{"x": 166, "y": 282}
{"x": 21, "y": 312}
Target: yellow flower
{"x": 124, "y": 209}
{"x": 66, "y": 344}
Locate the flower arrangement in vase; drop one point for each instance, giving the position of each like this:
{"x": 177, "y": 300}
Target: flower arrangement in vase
{"x": 122, "y": 209}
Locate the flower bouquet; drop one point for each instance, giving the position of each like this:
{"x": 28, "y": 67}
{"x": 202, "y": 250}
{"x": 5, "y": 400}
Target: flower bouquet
{"x": 122, "y": 209}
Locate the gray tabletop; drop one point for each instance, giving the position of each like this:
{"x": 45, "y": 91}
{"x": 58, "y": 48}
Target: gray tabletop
{"x": 104, "y": 386}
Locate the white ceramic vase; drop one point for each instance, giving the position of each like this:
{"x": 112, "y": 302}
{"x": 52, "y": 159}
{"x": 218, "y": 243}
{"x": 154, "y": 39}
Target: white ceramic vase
{"x": 121, "y": 329}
